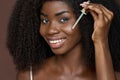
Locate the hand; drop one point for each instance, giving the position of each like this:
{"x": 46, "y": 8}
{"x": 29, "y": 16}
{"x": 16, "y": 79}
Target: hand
{"x": 102, "y": 20}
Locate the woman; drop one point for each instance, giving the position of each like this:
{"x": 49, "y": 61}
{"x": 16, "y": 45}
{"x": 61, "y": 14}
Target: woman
{"x": 45, "y": 41}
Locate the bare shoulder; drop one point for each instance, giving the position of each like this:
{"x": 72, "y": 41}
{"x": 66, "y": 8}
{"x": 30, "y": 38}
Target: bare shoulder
{"x": 37, "y": 75}
{"x": 117, "y": 75}
{"x": 48, "y": 71}
{"x": 40, "y": 75}
{"x": 23, "y": 75}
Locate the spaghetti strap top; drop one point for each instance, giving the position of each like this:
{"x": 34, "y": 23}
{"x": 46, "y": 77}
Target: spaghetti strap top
{"x": 31, "y": 73}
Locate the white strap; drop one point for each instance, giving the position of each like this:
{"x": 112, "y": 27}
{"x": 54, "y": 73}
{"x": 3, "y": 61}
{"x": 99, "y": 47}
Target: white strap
{"x": 31, "y": 73}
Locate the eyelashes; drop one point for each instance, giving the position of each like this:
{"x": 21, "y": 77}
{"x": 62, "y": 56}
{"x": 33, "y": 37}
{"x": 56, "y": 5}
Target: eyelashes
{"x": 44, "y": 21}
{"x": 61, "y": 20}
{"x": 64, "y": 19}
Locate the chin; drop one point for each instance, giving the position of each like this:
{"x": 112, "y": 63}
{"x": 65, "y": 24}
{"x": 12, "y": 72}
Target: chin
{"x": 58, "y": 51}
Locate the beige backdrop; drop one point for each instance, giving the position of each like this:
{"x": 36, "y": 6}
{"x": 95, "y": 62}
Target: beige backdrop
{"x": 7, "y": 68}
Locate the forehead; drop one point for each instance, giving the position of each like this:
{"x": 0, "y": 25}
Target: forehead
{"x": 52, "y": 6}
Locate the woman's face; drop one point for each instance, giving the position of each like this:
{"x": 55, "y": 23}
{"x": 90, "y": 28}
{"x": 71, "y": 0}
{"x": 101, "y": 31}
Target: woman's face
{"x": 57, "y": 18}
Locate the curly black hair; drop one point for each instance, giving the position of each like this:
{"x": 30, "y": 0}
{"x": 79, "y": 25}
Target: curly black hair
{"x": 28, "y": 47}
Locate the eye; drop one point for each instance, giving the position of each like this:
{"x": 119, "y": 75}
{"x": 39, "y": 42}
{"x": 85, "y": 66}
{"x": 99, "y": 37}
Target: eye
{"x": 44, "y": 21}
{"x": 64, "y": 20}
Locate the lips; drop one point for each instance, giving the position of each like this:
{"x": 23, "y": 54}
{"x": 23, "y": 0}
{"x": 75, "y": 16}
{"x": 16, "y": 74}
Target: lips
{"x": 56, "y": 43}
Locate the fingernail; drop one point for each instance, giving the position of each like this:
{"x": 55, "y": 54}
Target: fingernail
{"x": 83, "y": 5}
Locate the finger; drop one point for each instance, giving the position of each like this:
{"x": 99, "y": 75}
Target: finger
{"x": 92, "y": 8}
{"x": 95, "y": 16}
{"x": 96, "y": 9}
{"x": 84, "y": 3}
{"x": 106, "y": 14}
{"x": 109, "y": 14}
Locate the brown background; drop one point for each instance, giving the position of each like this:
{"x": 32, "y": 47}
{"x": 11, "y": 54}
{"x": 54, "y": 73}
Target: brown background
{"x": 7, "y": 68}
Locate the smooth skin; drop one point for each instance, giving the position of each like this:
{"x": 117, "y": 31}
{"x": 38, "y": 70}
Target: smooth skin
{"x": 69, "y": 64}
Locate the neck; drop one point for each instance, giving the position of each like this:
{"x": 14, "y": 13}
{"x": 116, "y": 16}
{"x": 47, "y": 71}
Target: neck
{"x": 73, "y": 60}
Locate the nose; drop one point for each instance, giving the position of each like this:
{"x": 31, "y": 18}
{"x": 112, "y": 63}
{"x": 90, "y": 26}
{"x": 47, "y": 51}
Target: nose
{"x": 53, "y": 28}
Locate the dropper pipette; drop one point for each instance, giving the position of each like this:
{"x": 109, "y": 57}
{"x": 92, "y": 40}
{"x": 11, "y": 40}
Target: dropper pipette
{"x": 81, "y": 15}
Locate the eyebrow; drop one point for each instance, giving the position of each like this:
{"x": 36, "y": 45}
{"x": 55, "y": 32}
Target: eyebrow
{"x": 57, "y": 14}
{"x": 60, "y": 13}
{"x": 43, "y": 14}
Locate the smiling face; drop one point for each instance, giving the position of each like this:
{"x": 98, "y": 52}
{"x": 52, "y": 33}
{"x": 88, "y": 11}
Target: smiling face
{"x": 57, "y": 18}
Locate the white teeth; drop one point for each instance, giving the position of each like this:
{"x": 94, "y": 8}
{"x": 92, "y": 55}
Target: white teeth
{"x": 55, "y": 41}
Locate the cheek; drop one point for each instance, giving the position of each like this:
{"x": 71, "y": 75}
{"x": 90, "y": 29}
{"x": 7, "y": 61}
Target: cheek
{"x": 68, "y": 27}
{"x": 74, "y": 34}
{"x": 68, "y": 30}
